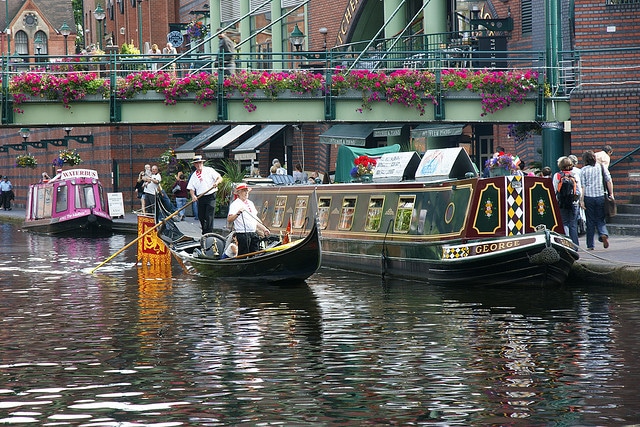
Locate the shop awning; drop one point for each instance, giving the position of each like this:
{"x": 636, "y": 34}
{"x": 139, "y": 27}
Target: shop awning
{"x": 432, "y": 130}
{"x": 189, "y": 148}
{"x": 216, "y": 148}
{"x": 249, "y": 147}
{"x": 355, "y": 135}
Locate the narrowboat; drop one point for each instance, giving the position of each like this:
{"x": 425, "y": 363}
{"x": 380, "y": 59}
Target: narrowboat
{"x": 73, "y": 202}
{"x": 432, "y": 219}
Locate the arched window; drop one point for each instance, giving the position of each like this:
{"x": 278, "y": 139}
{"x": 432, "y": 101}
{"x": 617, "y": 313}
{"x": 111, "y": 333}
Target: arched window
{"x": 22, "y": 43}
{"x": 44, "y": 49}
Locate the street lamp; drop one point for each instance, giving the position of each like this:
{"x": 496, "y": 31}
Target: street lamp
{"x": 65, "y": 31}
{"x": 99, "y": 15}
{"x": 24, "y": 133}
{"x": 39, "y": 44}
{"x": 297, "y": 38}
{"x": 324, "y": 32}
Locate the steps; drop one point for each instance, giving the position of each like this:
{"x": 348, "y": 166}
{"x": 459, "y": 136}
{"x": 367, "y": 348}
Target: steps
{"x": 627, "y": 221}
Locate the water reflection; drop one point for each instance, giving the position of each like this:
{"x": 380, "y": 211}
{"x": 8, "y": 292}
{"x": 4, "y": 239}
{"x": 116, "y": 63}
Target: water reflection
{"x": 149, "y": 346}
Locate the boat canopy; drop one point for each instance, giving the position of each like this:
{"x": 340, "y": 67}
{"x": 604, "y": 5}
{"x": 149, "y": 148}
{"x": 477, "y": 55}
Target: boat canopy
{"x": 347, "y": 154}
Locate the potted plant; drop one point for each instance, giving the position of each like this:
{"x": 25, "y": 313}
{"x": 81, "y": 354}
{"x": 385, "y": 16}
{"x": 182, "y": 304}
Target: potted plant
{"x": 231, "y": 174}
{"x": 67, "y": 156}
{"x": 362, "y": 170}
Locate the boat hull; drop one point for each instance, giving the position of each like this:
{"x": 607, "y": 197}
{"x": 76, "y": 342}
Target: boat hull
{"x": 89, "y": 225}
{"x": 524, "y": 265}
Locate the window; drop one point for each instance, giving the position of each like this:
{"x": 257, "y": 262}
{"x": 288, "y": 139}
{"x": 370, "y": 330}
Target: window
{"x": 300, "y": 212}
{"x": 374, "y": 213}
{"x": 61, "y": 198}
{"x": 404, "y": 213}
{"x": 526, "y": 17}
{"x": 346, "y": 213}
{"x": 324, "y": 204}
{"x": 278, "y": 211}
{"x": 22, "y": 43}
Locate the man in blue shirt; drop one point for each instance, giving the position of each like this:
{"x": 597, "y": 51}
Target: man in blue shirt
{"x": 6, "y": 193}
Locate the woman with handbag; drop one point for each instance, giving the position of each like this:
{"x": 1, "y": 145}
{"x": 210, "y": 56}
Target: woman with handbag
{"x": 596, "y": 182}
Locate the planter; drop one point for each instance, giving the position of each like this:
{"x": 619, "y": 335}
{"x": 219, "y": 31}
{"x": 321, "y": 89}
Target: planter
{"x": 499, "y": 172}
{"x": 461, "y": 94}
{"x": 54, "y": 113}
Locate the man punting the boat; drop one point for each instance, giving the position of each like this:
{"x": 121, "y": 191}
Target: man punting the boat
{"x": 242, "y": 213}
{"x": 203, "y": 185}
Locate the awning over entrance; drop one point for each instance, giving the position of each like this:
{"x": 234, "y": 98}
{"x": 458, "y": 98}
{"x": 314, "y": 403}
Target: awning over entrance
{"x": 431, "y": 130}
{"x": 189, "y": 148}
{"x": 355, "y": 135}
{"x": 216, "y": 148}
{"x": 247, "y": 150}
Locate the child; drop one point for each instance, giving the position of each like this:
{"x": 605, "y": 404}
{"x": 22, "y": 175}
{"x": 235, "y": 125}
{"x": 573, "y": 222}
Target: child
{"x": 231, "y": 248}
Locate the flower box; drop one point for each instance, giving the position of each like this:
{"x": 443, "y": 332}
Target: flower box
{"x": 499, "y": 172}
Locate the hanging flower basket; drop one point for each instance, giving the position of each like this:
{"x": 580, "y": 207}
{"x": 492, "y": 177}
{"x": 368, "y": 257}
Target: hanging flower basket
{"x": 26, "y": 161}
{"x": 69, "y": 157}
{"x": 197, "y": 30}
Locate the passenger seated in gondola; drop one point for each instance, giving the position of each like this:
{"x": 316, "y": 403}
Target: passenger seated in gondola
{"x": 231, "y": 246}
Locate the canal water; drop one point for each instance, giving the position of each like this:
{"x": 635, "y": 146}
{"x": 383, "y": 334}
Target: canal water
{"x": 123, "y": 347}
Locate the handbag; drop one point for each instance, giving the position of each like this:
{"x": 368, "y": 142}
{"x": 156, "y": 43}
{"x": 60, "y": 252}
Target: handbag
{"x": 610, "y": 209}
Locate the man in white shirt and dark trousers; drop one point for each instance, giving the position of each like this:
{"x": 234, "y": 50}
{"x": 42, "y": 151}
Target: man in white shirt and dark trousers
{"x": 203, "y": 185}
{"x": 242, "y": 213}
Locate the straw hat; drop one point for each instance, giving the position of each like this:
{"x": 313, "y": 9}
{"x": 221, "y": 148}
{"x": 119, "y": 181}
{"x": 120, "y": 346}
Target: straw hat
{"x": 241, "y": 187}
{"x": 197, "y": 159}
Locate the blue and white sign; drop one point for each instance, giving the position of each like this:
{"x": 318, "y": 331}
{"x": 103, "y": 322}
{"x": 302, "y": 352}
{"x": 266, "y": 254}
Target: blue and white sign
{"x": 175, "y": 38}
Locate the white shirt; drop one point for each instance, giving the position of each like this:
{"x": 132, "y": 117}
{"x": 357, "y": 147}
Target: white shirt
{"x": 245, "y": 222}
{"x": 152, "y": 187}
{"x": 200, "y": 182}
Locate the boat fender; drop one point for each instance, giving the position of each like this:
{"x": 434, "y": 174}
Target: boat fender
{"x": 546, "y": 256}
{"x": 92, "y": 219}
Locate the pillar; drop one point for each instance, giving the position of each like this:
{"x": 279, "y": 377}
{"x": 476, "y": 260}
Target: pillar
{"x": 245, "y": 25}
{"x": 435, "y": 17}
{"x": 276, "y": 36}
{"x": 396, "y": 22}
{"x": 552, "y": 144}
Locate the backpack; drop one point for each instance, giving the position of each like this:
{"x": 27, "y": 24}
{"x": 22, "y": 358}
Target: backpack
{"x": 567, "y": 191}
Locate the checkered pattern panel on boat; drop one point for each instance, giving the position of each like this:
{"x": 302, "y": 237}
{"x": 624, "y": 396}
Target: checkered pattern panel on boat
{"x": 515, "y": 205}
{"x": 456, "y": 252}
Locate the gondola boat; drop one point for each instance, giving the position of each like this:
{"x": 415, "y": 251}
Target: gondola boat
{"x": 449, "y": 227}
{"x": 290, "y": 262}
{"x": 73, "y": 203}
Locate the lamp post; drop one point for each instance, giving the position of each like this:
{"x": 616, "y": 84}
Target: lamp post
{"x": 38, "y": 43}
{"x": 65, "y": 31}
{"x": 99, "y": 15}
{"x": 25, "y": 133}
{"x": 140, "y": 27}
{"x": 297, "y": 38}
{"x": 7, "y": 31}
{"x": 324, "y": 32}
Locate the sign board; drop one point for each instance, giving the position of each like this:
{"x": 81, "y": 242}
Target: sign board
{"x": 445, "y": 163}
{"x": 245, "y": 156}
{"x": 396, "y": 167}
{"x": 175, "y": 38}
{"x": 116, "y": 205}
